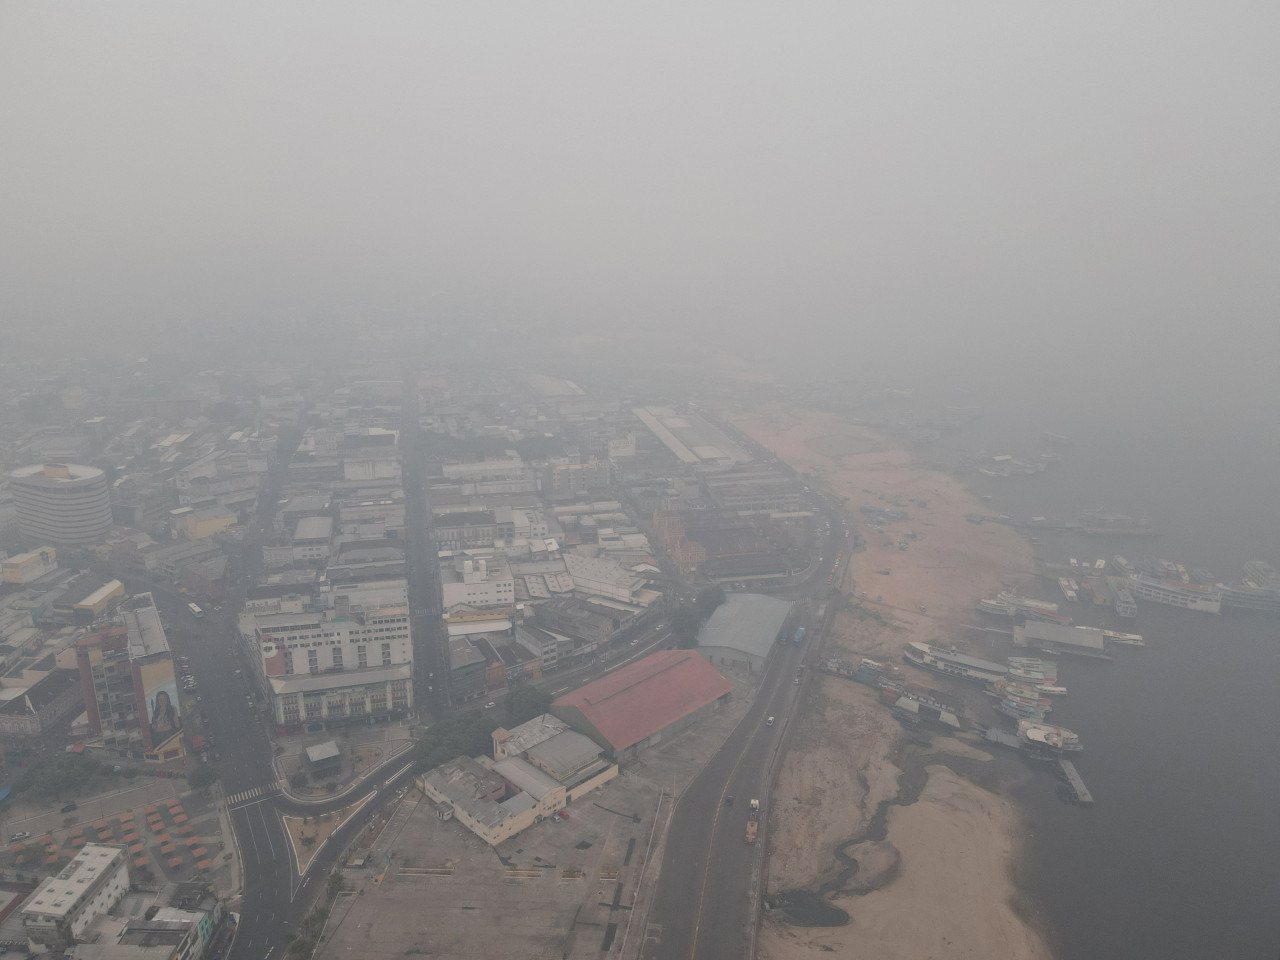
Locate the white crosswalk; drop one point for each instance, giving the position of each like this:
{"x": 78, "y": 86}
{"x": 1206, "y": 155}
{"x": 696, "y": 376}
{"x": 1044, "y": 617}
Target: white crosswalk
{"x": 252, "y": 794}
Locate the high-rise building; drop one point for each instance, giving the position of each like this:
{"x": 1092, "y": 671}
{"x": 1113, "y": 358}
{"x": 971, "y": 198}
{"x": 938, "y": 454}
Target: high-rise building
{"x": 130, "y": 690}
{"x": 61, "y": 503}
{"x": 335, "y": 666}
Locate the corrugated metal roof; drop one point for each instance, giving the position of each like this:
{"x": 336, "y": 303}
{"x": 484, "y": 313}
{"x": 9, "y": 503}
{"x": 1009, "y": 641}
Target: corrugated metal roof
{"x": 650, "y": 694}
{"x": 749, "y": 622}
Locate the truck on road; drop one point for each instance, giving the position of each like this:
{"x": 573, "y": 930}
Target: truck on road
{"x": 799, "y": 637}
{"x": 753, "y": 821}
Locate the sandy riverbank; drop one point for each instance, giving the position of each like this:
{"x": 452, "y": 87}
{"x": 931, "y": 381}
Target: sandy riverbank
{"x": 950, "y": 894}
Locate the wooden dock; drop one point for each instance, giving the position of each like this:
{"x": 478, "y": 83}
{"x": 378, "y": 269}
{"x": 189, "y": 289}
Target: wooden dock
{"x": 1079, "y": 791}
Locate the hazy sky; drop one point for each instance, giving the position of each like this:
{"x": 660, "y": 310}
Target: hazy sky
{"x": 983, "y": 179}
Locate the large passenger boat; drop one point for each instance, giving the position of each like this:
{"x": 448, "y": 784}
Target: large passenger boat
{"x": 1176, "y": 593}
{"x": 951, "y": 664}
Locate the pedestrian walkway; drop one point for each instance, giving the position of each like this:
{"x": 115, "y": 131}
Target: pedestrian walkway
{"x": 252, "y": 793}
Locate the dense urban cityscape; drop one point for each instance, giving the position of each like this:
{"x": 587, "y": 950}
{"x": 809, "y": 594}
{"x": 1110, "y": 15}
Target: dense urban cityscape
{"x": 638, "y": 482}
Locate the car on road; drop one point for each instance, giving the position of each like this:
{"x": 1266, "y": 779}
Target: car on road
{"x": 728, "y": 801}
{"x": 490, "y": 705}
{"x": 769, "y": 722}
{"x": 68, "y": 807}
{"x": 20, "y": 836}
{"x": 216, "y": 757}
{"x": 796, "y": 681}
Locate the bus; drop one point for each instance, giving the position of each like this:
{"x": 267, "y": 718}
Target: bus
{"x": 195, "y": 610}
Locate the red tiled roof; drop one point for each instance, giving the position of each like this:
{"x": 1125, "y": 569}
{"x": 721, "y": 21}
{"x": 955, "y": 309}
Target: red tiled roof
{"x": 650, "y": 694}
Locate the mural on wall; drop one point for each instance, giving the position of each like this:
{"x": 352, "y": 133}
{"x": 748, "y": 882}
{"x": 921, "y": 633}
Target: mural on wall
{"x": 164, "y": 719}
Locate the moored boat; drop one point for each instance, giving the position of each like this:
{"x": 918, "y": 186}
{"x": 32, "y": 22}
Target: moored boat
{"x": 951, "y": 664}
{"x": 1043, "y": 738}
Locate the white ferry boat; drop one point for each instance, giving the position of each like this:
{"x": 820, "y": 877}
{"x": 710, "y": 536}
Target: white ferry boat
{"x": 953, "y": 664}
{"x": 1188, "y": 596}
{"x": 1044, "y": 738}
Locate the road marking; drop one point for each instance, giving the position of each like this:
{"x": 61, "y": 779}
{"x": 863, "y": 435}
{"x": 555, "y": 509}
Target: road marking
{"x": 244, "y": 795}
{"x": 267, "y": 829}
{"x": 388, "y": 782}
{"x": 702, "y": 892}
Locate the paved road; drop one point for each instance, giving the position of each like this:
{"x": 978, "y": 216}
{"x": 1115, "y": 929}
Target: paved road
{"x": 702, "y": 901}
{"x": 704, "y": 904}
{"x": 430, "y": 653}
{"x": 701, "y": 908}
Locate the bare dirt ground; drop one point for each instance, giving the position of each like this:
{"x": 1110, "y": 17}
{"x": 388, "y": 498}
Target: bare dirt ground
{"x": 949, "y": 892}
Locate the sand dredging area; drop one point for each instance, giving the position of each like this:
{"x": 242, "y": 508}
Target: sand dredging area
{"x": 866, "y": 820}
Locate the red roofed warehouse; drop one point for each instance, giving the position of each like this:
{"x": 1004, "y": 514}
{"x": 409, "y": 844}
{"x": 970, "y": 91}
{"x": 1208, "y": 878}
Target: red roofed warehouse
{"x": 646, "y": 702}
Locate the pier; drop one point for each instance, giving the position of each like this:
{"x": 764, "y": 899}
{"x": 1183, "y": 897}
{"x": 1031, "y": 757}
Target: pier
{"x": 992, "y": 735}
{"x": 1080, "y": 793}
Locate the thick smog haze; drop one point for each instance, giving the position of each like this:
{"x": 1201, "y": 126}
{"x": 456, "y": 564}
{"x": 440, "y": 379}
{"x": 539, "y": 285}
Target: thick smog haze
{"x": 970, "y": 182}
{"x": 448, "y": 452}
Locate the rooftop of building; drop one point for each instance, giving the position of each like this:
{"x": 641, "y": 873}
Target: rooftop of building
{"x": 567, "y": 751}
{"x": 313, "y": 529}
{"x": 323, "y": 751}
{"x": 54, "y": 475}
{"x": 638, "y": 700}
{"x": 19, "y": 701}
{"x": 146, "y": 632}
{"x": 465, "y": 783}
{"x": 749, "y": 622}
{"x": 529, "y": 734}
{"x": 524, "y": 776}
{"x": 461, "y": 518}
{"x": 58, "y": 895}
{"x": 463, "y": 653}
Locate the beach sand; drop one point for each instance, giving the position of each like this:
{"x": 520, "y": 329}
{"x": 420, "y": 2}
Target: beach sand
{"x": 951, "y": 892}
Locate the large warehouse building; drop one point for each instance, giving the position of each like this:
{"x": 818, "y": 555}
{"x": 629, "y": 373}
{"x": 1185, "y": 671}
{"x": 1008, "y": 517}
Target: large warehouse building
{"x": 743, "y": 630}
{"x": 645, "y": 703}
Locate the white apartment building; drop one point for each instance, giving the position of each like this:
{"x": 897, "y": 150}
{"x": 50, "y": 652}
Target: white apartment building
{"x": 335, "y": 665}
{"x": 483, "y": 582}
{"x": 63, "y": 907}
{"x": 507, "y": 468}
{"x": 603, "y": 577}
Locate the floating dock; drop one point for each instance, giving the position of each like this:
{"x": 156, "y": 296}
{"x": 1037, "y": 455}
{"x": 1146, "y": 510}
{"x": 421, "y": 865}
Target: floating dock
{"x": 1004, "y": 739}
{"x": 1079, "y": 792}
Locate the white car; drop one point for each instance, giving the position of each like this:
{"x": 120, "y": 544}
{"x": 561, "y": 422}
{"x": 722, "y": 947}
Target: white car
{"x": 769, "y": 722}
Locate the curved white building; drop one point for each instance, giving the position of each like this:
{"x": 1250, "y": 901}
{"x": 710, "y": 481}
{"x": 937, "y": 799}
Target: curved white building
{"x": 61, "y": 503}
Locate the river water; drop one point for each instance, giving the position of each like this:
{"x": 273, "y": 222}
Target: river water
{"x": 1180, "y": 857}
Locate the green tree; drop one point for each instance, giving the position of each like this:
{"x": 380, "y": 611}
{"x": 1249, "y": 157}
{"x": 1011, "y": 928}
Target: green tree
{"x": 299, "y": 780}
{"x": 708, "y": 599}
{"x": 684, "y": 624}
{"x": 202, "y": 778}
{"x": 465, "y": 735}
{"x": 525, "y": 703}
{"x": 336, "y": 883}
{"x": 57, "y": 775}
